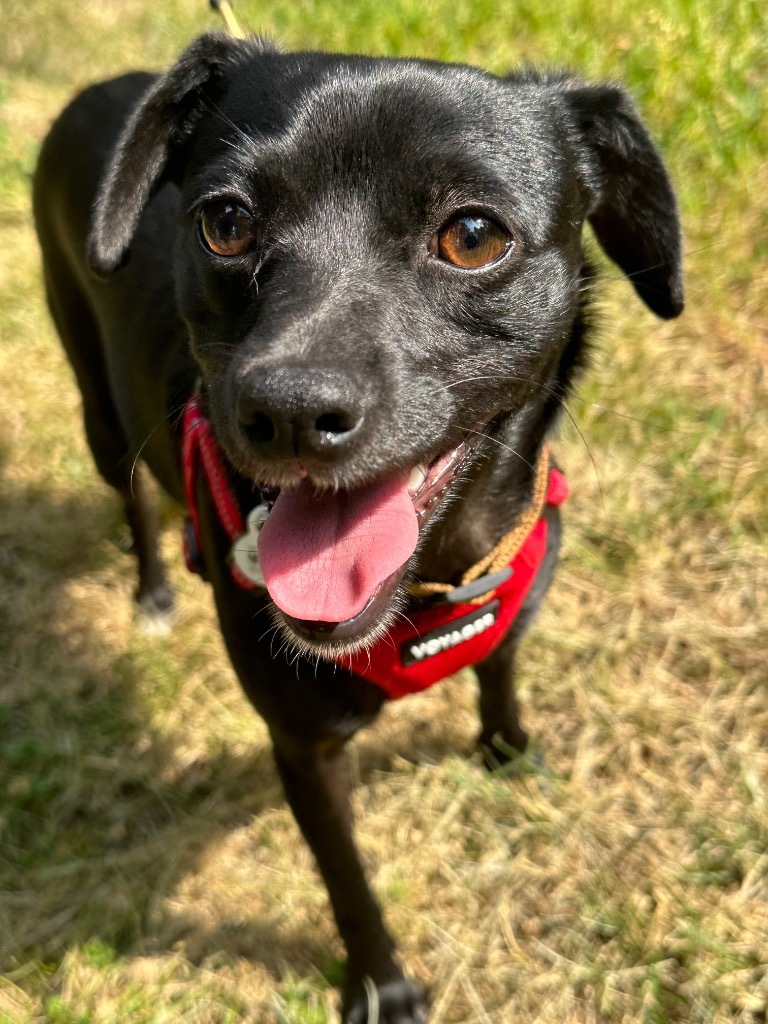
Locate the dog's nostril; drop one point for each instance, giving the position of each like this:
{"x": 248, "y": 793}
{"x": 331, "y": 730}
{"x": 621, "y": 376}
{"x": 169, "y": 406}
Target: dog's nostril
{"x": 260, "y": 428}
{"x": 336, "y": 423}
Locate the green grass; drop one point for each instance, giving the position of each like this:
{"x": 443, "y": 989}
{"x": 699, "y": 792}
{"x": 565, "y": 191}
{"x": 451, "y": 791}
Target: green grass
{"x": 150, "y": 871}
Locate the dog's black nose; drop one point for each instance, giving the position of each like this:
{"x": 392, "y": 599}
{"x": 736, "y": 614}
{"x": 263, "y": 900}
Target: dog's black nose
{"x": 300, "y": 412}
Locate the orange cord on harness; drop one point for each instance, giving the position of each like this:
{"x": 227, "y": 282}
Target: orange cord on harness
{"x": 506, "y": 549}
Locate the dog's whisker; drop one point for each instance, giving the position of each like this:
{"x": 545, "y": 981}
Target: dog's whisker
{"x": 621, "y": 415}
{"x": 550, "y": 390}
{"x": 506, "y": 377}
{"x": 166, "y": 417}
{"x": 400, "y": 614}
{"x": 218, "y": 112}
{"x": 501, "y": 444}
{"x": 270, "y": 629}
{"x": 603, "y": 275}
{"x": 172, "y": 416}
{"x": 217, "y": 347}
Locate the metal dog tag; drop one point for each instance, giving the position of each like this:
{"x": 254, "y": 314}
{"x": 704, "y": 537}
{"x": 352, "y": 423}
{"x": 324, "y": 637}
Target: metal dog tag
{"x": 245, "y": 551}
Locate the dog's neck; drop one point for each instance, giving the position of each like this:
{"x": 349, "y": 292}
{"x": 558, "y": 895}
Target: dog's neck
{"x": 489, "y": 501}
{"x": 486, "y": 504}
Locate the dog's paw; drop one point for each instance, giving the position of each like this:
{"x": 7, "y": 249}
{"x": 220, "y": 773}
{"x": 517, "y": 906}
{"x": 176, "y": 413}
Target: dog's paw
{"x": 394, "y": 1002}
{"x": 155, "y": 611}
{"x": 502, "y": 756}
{"x": 499, "y": 747}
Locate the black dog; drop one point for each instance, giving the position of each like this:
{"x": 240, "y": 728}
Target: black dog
{"x": 371, "y": 273}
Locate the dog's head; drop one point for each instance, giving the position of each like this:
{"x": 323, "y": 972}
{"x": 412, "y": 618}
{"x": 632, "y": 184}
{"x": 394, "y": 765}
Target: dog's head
{"x": 380, "y": 266}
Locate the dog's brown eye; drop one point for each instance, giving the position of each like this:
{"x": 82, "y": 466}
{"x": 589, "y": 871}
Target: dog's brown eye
{"x": 470, "y": 242}
{"x": 227, "y": 228}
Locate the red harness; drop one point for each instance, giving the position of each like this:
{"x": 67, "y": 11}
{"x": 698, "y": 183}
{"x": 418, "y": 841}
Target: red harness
{"x": 427, "y": 646}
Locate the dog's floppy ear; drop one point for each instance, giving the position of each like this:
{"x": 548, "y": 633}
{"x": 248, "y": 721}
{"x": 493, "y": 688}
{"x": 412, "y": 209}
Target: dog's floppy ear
{"x": 164, "y": 117}
{"x": 633, "y": 211}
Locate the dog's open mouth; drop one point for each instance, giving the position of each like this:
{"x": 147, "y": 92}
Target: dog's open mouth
{"x": 332, "y": 560}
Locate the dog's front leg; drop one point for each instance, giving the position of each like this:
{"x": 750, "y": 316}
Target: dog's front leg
{"x": 310, "y": 721}
{"x": 501, "y": 734}
{"x": 316, "y": 785}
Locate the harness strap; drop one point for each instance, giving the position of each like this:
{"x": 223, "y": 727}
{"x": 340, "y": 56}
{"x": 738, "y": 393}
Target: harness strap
{"x": 198, "y": 447}
{"x": 429, "y": 643}
{"x": 440, "y": 640}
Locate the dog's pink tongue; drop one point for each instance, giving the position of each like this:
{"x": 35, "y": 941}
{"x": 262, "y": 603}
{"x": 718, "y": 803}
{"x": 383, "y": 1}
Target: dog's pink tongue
{"x": 323, "y": 554}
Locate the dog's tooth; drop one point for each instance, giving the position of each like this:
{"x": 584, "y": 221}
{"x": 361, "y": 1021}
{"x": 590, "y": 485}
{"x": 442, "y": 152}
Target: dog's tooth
{"x": 417, "y": 477}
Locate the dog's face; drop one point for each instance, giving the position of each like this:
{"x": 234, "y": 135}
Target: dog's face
{"x": 380, "y": 266}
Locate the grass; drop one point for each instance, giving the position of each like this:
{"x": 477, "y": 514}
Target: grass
{"x": 149, "y": 869}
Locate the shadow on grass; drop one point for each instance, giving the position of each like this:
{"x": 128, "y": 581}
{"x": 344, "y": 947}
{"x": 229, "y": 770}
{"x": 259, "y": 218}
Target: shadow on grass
{"x": 101, "y": 819}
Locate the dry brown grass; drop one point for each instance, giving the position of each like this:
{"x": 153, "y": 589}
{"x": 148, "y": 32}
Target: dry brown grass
{"x": 149, "y": 868}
